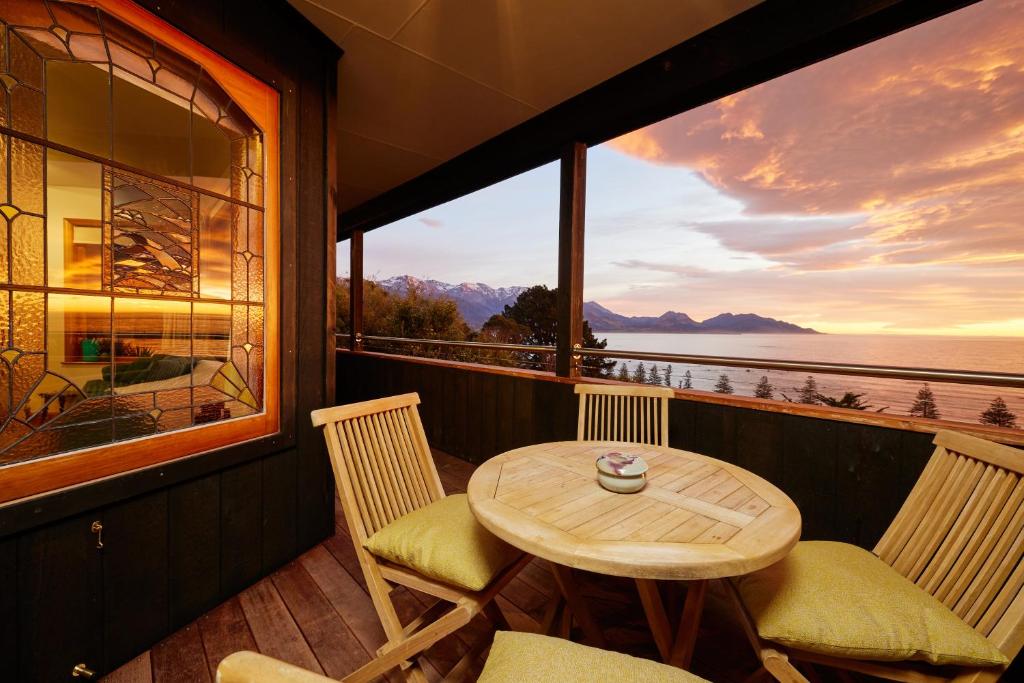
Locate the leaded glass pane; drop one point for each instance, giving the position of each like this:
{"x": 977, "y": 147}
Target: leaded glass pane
{"x": 78, "y": 106}
{"x": 132, "y": 258}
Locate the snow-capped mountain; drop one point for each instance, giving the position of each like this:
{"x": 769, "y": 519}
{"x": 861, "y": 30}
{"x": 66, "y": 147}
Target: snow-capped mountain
{"x": 476, "y": 301}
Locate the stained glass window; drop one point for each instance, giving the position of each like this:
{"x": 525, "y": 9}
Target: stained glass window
{"x": 131, "y": 237}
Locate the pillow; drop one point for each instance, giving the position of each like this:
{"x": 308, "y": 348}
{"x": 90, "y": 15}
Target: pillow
{"x": 840, "y": 600}
{"x": 519, "y": 657}
{"x": 444, "y": 541}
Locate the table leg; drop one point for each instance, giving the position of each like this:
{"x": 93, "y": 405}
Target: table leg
{"x": 567, "y": 585}
{"x": 682, "y": 651}
{"x": 657, "y": 619}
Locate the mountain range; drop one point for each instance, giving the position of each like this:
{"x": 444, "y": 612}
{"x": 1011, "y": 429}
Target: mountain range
{"x": 477, "y": 302}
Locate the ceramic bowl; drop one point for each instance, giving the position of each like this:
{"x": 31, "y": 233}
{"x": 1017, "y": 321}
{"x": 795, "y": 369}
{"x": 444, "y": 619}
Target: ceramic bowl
{"x": 621, "y": 473}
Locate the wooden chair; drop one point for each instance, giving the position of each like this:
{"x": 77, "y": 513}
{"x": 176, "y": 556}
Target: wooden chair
{"x": 960, "y": 537}
{"x": 384, "y": 470}
{"x": 611, "y": 412}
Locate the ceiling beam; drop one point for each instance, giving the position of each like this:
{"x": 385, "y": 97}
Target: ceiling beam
{"x": 762, "y": 43}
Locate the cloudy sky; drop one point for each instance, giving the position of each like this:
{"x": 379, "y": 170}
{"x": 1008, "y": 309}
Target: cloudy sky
{"x": 881, "y": 191}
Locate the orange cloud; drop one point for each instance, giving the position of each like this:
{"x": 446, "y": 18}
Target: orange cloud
{"x": 920, "y": 134}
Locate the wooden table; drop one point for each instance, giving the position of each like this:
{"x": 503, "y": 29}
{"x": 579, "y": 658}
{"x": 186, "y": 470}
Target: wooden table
{"x": 697, "y": 519}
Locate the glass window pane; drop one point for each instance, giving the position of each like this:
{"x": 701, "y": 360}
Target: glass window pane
{"x": 73, "y": 230}
{"x": 152, "y": 345}
{"x": 78, "y": 342}
{"x": 78, "y": 106}
{"x": 217, "y": 218}
{"x": 211, "y": 156}
{"x": 151, "y": 127}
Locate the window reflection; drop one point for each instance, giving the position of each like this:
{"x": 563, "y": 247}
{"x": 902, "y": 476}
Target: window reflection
{"x": 74, "y": 233}
{"x": 151, "y": 128}
{"x": 78, "y": 106}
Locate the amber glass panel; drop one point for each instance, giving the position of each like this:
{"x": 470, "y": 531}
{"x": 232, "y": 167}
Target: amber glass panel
{"x": 26, "y": 176}
{"x": 211, "y": 159}
{"x": 73, "y": 213}
{"x": 151, "y": 128}
{"x": 153, "y": 236}
{"x": 216, "y": 220}
{"x": 78, "y": 106}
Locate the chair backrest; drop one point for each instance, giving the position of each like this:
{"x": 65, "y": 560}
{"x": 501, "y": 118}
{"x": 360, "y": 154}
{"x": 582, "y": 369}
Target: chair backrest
{"x": 381, "y": 461}
{"x": 960, "y": 535}
{"x": 611, "y": 412}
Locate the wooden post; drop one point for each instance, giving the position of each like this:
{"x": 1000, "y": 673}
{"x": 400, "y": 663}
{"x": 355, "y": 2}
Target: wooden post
{"x": 570, "y": 261}
{"x": 355, "y": 293}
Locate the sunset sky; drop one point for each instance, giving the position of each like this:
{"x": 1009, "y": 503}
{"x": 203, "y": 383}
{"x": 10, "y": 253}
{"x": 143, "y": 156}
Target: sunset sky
{"x": 881, "y": 191}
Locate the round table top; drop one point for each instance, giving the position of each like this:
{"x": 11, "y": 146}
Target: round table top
{"x": 697, "y": 517}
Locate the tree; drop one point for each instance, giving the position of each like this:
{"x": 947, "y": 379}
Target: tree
{"x": 410, "y": 315}
{"x": 764, "y": 389}
{"x": 639, "y": 374}
{"x": 924, "y": 404}
{"x": 537, "y": 309}
{"x": 668, "y": 376}
{"x": 809, "y": 391}
{"x": 999, "y": 415}
{"x": 723, "y": 385}
{"x": 623, "y": 375}
{"x": 653, "y": 376}
{"x": 687, "y": 381}
{"x": 847, "y": 400}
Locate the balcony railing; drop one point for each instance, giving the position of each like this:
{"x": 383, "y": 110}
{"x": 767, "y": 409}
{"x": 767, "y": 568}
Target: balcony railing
{"x": 992, "y": 379}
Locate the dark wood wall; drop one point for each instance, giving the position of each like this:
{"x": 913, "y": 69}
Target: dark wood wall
{"x": 848, "y": 479}
{"x": 180, "y": 538}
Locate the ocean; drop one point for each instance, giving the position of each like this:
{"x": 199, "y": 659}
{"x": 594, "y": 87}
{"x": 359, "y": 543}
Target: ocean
{"x": 955, "y": 401}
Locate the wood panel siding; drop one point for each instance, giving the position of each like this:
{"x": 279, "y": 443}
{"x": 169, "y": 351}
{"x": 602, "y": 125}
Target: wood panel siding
{"x": 183, "y": 536}
{"x": 848, "y": 479}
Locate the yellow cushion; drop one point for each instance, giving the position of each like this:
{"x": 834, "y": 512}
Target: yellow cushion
{"x": 517, "y": 657}
{"x": 444, "y": 541}
{"x": 840, "y": 600}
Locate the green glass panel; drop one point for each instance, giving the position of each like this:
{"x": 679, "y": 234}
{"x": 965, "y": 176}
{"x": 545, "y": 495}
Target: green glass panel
{"x": 78, "y": 106}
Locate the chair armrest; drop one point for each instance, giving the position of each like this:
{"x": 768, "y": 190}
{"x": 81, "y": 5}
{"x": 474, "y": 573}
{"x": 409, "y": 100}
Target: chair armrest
{"x": 250, "y": 667}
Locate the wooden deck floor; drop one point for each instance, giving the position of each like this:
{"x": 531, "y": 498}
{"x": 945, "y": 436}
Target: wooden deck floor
{"x": 315, "y": 613}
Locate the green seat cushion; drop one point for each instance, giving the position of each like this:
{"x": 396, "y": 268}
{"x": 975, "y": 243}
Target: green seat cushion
{"x": 444, "y": 541}
{"x": 517, "y": 657}
{"x": 840, "y": 600}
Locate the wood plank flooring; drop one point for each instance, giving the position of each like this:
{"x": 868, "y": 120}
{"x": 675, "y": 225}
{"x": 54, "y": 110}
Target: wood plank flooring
{"x": 315, "y": 612}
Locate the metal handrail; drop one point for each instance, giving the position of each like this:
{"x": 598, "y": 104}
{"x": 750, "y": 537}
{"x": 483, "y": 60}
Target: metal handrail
{"x": 486, "y": 346}
{"x": 1000, "y": 379}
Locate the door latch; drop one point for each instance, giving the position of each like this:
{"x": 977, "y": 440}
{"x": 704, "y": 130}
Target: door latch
{"x": 97, "y": 529}
{"x": 83, "y": 671}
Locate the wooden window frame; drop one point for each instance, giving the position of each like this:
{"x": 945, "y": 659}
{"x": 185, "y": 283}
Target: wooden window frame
{"x": 261, "y": 103}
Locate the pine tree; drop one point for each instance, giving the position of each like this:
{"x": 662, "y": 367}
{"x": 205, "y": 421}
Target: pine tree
{"x": 809, "y": 391}
{"x": 668, "y": 376}
{"x": 764, "y": 389}
{"x": 999, "y": 415}
{"x": 924, "y": 404}
{"x": 623, "y": 374}
{"x": 653, "y": 376}
{"x": 723, "y": 385}
{"x": 639, "y": 374}
{"x": 687, "y": 381}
